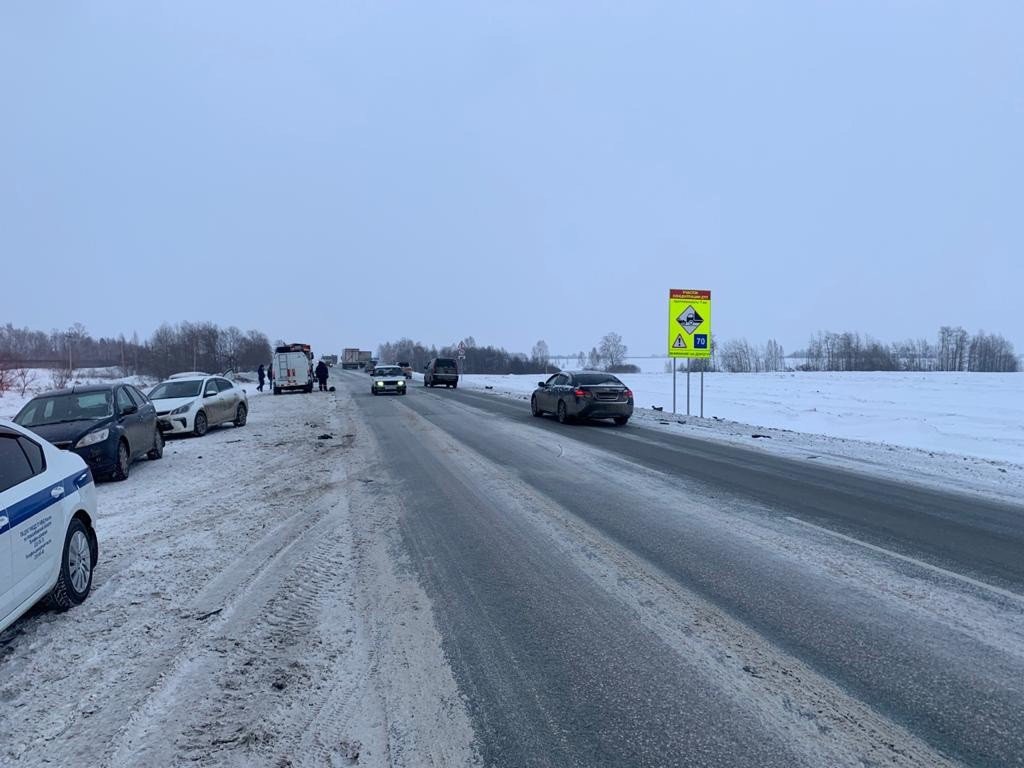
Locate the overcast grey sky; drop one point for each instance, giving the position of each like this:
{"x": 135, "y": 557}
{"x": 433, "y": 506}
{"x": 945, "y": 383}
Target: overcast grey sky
{"x": 344, "y": 173}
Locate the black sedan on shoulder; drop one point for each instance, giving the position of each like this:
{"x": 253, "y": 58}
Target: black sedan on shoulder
{"x": 108, "y": 425}
{"x": 574, "y": 395}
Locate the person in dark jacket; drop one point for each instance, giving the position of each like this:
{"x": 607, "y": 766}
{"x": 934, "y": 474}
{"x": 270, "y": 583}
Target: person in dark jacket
{"x": 321, "y": 375}
{"x": 261, "y": 374}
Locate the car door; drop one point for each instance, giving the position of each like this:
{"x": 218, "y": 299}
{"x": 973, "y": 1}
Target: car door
{"x": 546, "y": 396}
{"x": 129, "y": 418}
{"x": 33, "y": 502}
{"x": 230, "y": 395}
{"x": 146, "y": 417}
{"x": 562, "y": 390}
{"x": 212, "y": 402}
{"x": 7, "y": 603}
{"x": 147, "y": 413}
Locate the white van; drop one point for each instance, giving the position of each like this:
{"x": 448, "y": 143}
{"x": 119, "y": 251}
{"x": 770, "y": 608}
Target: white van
{"x": 292, "y": 368}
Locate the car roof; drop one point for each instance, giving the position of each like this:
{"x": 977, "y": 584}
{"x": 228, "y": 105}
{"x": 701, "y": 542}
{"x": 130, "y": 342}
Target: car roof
{"x": 586, "y": 371}
{"x": 8, "y": 427}
{"x": 202, "y": 377}
{"x": 81, "y": 389}
{"x": 189, "y": 375}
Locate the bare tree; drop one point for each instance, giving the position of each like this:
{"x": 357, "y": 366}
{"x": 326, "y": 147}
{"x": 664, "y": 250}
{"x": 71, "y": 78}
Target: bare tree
{"x": 5, "y": 378}
{"x": 991, "y": 353}
{"x": 737, "y": 356}
{"x": 23, "y": 379}
{"x": 59, "y": 377}
{"x": 581, "y": 359}
{"x": 613, "y": 351}
{"x": 594, "y": 358}
{"x": 541, "y": 354}
{"x": 774, "y": 357}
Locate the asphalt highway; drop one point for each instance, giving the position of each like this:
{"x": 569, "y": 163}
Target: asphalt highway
{"x": 626, "y": 597}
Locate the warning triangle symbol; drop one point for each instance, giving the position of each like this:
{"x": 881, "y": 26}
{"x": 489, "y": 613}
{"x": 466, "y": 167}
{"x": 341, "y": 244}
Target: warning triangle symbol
{"x": 679, "y": 343}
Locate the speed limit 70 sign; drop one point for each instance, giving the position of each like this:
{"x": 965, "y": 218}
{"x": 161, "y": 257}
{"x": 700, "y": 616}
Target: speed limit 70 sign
{"x": 689, "y": 323}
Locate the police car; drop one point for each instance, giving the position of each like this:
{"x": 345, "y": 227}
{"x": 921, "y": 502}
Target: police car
{"x": 47, "y": 540}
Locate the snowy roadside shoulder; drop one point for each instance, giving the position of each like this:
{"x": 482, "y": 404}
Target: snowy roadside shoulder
{"x": 999, "y": 480}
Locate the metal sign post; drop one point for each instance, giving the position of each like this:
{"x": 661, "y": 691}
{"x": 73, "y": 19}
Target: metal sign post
{"x": 687, "y": 387}
{"x": 673, "y": 386}
{"x": 702, "y": 393}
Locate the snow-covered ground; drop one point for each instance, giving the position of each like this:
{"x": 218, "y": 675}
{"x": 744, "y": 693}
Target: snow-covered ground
{"x": 979, "y": 415}
{"x": 242, "y": 614}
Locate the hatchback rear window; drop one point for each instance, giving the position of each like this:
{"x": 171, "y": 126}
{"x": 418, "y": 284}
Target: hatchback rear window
{"x": 596, "y": 378}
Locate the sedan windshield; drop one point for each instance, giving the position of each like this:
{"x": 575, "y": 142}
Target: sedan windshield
{"x": 596, "y": 378}
{"x": 171, "y": 390}
{"x": 61, "y": 408}
{"x": 388, "y": 371}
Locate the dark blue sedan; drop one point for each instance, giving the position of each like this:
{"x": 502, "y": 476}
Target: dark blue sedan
{"x": 108, "y": 425}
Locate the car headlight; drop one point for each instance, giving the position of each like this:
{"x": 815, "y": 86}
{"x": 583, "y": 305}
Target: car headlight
{"x": 401, "y": 383}
{"x": 378, "y": 383}
{"x": 184, "y": 408}
{"x": 93, "y": 437}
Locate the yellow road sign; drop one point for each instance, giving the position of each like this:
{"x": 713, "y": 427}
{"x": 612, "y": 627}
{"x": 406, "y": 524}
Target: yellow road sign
{"x": 689, "y": 323}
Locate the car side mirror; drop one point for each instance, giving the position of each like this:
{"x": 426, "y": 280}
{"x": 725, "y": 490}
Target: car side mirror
{"x": 542, "y": 384}
{"x": 209, "y": 394}
{"x": 128, "y": 410}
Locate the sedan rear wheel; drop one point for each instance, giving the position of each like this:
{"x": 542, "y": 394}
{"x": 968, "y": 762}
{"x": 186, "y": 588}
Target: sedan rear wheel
{"x": 157, "y": 451}
{"x": 241, "y": 415}
{"x": 621, "y": 421}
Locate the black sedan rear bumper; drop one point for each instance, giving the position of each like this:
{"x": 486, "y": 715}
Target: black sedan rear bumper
{"x": 606, "y": 410}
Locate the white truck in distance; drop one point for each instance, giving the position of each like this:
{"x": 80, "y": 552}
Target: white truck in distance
{"x": 350, "y": 358}
{"x": 293, "y": 368}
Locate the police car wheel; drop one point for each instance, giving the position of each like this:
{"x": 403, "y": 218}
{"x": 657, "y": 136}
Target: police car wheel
{"x": 124, "y": 462}
{"x": 75, "y": 578}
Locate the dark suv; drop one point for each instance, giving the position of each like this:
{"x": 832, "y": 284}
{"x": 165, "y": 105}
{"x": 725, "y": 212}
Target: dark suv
{"x": 442, "y": 371}
{"x": 108, "y": 425}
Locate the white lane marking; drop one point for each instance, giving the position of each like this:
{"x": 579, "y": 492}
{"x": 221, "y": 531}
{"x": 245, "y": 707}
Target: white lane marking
{"x": 914, "y": 561}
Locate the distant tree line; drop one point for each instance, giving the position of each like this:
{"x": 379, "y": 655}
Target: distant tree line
{"x": 954, "y": 350}
{"x": 609, "y": 355}
{"x": 186, "y": 346}
{"x": 479, "y": 359}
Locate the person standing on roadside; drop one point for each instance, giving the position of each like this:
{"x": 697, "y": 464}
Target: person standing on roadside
{"x": 321, "y": 375}
{"x": 261, "y": 374}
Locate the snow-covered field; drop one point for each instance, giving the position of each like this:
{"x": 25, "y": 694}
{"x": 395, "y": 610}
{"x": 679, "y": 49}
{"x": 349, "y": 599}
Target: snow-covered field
{"x": 979, "y": 415}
